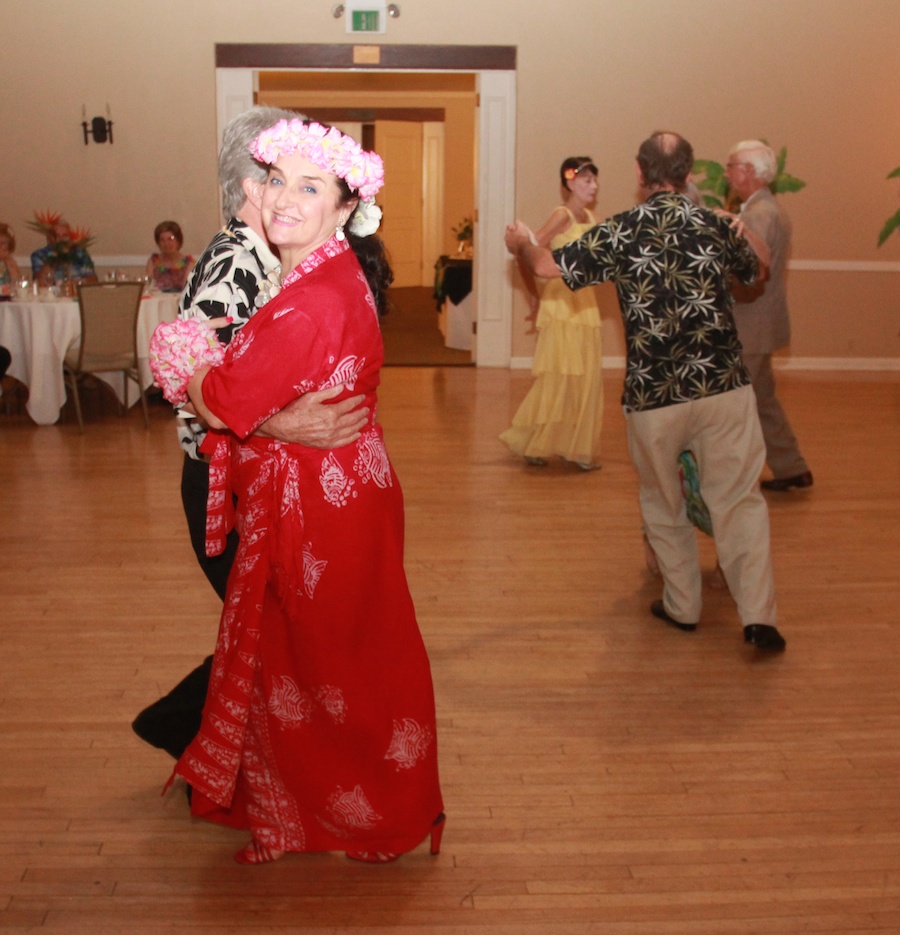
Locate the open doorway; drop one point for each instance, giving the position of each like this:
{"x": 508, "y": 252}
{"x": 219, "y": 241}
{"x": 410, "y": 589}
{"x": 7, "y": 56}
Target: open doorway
{"x": 424, "y": 126}
{"x": 238, "y": 72}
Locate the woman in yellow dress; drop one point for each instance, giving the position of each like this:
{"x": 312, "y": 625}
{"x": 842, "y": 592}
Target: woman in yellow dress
{"x": 563, "y": 411}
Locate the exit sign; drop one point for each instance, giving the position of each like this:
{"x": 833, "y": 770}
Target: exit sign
{"x": 365, "y": 16}
{"x": 366, "y": 21}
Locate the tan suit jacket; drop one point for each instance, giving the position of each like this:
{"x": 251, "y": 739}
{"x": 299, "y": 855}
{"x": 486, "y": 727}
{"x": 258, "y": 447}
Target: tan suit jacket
{"x": 763, "y": 324}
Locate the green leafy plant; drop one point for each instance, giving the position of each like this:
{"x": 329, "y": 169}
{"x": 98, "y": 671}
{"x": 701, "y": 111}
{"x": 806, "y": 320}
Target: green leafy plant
{"x": 709, "y": 177}
{"x": 893, "y": 222}
{"x": 465, "y": 230}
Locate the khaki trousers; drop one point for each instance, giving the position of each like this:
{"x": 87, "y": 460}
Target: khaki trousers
{"x": 724, "y": 434}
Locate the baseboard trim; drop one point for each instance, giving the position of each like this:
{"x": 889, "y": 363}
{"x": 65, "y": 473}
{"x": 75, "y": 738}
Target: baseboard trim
{"x": 837, "y": 363}
{"x": 872, "y": 364}
{"x": 845, "y": 266}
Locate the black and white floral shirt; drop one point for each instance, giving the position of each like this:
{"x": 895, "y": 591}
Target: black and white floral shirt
{"x": 671, "y": 262}
{"x": 236, "y": 275}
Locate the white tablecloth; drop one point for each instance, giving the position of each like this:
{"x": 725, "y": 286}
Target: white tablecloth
{"x": 38, "y": 334}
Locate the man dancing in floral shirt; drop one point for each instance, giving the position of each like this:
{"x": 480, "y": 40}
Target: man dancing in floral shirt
{"x": 685, "y": 385}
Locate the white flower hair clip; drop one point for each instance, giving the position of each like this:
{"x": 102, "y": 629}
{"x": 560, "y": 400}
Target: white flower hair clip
{"x": 366, "y": 219}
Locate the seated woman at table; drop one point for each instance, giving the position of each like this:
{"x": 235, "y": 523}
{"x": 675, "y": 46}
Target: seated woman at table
{"x": 318, "y": 731}
{"x": 169, "y": 269}
{"x": 9, "y": 269}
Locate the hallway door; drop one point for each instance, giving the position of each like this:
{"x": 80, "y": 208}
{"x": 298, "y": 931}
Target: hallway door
{"x": 399, "y": 143}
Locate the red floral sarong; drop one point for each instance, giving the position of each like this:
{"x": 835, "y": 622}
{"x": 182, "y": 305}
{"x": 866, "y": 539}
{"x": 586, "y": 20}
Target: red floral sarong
{"x": 319, "y": 728}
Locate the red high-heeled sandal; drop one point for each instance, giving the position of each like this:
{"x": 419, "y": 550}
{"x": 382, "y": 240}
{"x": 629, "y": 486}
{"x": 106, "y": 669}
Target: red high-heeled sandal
{"x": 257, "y": 853}
{"x": 384, "y": 857}
{"x": 372, "y": 857}
{"x": 437, "y": 832}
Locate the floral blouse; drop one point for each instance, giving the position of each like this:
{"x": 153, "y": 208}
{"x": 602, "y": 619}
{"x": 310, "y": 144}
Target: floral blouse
{"x": 170, "y": 278}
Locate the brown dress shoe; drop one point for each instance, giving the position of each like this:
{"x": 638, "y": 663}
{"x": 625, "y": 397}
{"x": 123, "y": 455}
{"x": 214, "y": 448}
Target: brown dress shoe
{"x": 785, "y": 483}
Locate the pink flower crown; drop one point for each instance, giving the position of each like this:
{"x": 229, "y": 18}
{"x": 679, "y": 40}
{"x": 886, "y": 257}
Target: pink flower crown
{"x": 325, "y": 147}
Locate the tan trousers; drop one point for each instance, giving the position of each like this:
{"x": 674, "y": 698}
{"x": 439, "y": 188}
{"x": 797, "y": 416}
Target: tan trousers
{"x": 724, "y": 434}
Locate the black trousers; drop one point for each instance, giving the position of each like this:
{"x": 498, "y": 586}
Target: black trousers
{"x": 172, "y": 722}
{"x": 194, "y": 491}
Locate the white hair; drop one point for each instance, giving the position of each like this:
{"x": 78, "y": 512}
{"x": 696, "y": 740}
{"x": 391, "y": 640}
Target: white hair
{"x": 235, "y": 161}
{"x": 760, "y": 156}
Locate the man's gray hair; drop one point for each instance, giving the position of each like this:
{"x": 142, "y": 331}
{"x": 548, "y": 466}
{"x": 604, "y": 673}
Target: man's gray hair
{"x": 759, "y": 155}
{"x": 235, "y": 161}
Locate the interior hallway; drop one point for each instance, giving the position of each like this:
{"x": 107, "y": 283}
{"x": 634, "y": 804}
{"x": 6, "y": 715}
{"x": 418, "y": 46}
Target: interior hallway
{"x": 412, "y": 337}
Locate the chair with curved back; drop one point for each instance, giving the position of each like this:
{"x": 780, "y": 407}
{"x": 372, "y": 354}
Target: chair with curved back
{"x": 109, "y": 314}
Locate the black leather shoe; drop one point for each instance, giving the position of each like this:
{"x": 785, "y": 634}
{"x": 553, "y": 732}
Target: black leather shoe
{"x": 785, "y": 483}
{"x": 763, "y": 636}
{"x": 657, "y": 609}
{"x": 172, "y": 722}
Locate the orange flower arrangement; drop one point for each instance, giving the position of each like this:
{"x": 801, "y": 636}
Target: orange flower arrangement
{"x": 45, "y": 221}
{"x": 82, "y": 237}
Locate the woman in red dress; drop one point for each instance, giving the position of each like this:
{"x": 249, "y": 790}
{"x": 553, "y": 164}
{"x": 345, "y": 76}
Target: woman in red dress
{"x": 318, "y": 730}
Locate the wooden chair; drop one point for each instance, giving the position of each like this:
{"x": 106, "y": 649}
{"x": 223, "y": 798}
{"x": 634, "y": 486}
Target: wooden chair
{"x": 109, "y": 315}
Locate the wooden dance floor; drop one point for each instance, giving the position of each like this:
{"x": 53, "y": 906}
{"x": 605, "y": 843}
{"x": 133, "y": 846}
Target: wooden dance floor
{"x": 603, "y": 774}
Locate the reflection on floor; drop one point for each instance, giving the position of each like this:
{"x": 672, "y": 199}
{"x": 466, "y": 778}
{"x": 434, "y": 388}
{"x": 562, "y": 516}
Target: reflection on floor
{"x": 411, "y": 335}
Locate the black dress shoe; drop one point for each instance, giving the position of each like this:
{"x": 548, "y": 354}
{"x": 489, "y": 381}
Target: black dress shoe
{"x": 764, "y": 636}
{"x": 785, "y": 483}
{"x": 172, "y": 722}
{"x": 657, "y": 609}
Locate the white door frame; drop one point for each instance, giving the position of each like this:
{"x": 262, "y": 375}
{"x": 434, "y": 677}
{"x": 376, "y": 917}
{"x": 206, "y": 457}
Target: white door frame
{"x": 496, "y": 186}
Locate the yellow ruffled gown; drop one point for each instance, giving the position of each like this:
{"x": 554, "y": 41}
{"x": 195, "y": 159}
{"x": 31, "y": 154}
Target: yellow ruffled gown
{"x": 563, "y": 411}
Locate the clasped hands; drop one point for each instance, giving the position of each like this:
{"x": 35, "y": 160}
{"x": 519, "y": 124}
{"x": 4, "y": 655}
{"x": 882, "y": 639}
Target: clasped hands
{"x": 734, "y": 220}
{"x": 517, "y": 234}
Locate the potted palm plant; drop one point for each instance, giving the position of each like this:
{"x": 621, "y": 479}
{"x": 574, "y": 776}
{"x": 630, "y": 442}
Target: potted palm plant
{"x": 893, "y": 222}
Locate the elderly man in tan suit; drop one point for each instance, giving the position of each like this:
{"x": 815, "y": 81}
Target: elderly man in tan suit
{"x": 761, "y": 311}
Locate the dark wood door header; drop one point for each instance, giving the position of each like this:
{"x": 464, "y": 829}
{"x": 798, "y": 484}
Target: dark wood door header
{"x": 422, "y": 57}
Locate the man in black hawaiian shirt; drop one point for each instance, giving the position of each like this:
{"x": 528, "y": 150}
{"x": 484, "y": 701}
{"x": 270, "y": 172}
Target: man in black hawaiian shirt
{"x": 685, "y": 385}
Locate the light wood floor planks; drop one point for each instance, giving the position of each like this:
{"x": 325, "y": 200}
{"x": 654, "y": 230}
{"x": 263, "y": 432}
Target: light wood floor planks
{"x": 603, "y": 774}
